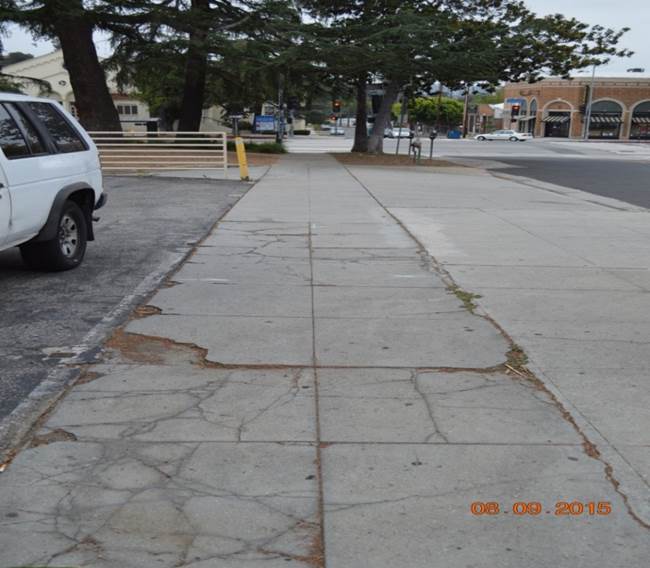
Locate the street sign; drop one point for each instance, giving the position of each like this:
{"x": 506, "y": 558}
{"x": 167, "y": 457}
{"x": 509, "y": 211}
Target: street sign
{"x": 236, "y": 116}
{"x": 265, "y": 123}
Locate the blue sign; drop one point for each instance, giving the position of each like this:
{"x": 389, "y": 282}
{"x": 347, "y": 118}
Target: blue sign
{"x": 515, "y": 101}
{"x": 265, "y": 123}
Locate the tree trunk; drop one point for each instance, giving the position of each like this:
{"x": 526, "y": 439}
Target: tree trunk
{"x": 376, "y": 140}
{"x": 196, "y": 66}
{"x": 361, "y": 126}
{"x": 92, "y": 98}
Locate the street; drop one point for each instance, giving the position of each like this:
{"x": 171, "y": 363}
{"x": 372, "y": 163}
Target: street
{"x": 619, "y": 171}
{"x": 627, "y": 180}
{"x": 147, "y": 226}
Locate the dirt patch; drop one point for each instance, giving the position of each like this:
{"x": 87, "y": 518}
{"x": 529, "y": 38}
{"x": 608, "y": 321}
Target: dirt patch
{"x": 57, "y": 435}
{"x": 360, "y": 159}
{"x": 150, "y": 350}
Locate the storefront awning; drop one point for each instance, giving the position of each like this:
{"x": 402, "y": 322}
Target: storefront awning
{"x": 604, "y": 119}
{"x": 556, "y": 118}
{"x": 641, "y": 120}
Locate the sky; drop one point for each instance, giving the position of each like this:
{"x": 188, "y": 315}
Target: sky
{"x": 634, "y": 14}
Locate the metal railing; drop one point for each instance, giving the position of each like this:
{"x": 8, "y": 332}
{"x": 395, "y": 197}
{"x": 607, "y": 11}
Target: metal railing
{"x": 140, "y": 152}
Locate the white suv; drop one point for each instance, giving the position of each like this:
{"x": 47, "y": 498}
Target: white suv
{"x": 50, "y": 182}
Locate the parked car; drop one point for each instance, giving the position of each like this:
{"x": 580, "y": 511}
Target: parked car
{"x": 50, "y": 183}
{"x": 511, "y": 135}
{"x": 337, "y": 131}
{"x": 398, "y": 132}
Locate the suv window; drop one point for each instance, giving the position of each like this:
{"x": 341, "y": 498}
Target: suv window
{"x": 11, "y": 140}
{"x": 34, "y": 140}
{"x": 65, "y": 137}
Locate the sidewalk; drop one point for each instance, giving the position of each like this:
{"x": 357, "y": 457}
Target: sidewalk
{"x": 309, "y": 391}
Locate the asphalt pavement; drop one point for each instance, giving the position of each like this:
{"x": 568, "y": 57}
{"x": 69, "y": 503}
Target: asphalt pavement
{"x": 147, "y": 225}
{"x": 627, "y": 181}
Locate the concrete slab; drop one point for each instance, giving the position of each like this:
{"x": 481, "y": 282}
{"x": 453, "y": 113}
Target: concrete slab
{"x": 215, "y": 298}
{"x": 462, "y": 340}
{"x": 150, "y": 504}
{"x": 594, "y": 391}
{"x": 423, "y": 493}
{"x": 236, "y": 340}
{"x": 245, "y": 270}
{"x": 160, "y": 403}
{"x": 544, "y": 278}
{"x": 325, "y": 253}
{"x": 393, "y": 273}
{"x": 385, "y": 302}
{"x": 400, "y": 405}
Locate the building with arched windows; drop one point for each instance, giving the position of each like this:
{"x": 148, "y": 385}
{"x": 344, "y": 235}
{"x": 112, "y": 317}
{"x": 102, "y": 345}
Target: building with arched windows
{"x": 557, "y": 108}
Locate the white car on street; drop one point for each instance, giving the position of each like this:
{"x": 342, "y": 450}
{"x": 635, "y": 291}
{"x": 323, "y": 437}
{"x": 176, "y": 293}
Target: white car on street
{"x": 398, "y": 132}
{"x": 50, "y": 182}
{"x": 511, "y": 135}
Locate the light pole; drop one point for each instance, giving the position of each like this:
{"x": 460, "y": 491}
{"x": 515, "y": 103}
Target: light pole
{"x": 465, "y": 108}
{"x": 585, "y": 135}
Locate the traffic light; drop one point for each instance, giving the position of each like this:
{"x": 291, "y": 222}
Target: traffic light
{"x": 336, "y": 105}
{"x": 515, "y": 110}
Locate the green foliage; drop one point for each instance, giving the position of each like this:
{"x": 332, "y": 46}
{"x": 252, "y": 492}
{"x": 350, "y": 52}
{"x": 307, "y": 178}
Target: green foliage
{"x": 14, "y": 57}
{"x": 260, "y": 147}
{"x": 431, "y": 111}
{"x": 489, "y": 98}
{"x": 9, "y": 84}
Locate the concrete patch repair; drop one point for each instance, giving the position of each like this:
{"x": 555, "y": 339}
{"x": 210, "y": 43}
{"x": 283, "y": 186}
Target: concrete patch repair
{"x": 317, "y": 387}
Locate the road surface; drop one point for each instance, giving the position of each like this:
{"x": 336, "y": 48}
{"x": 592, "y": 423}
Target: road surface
{"x": 147, "y": 223}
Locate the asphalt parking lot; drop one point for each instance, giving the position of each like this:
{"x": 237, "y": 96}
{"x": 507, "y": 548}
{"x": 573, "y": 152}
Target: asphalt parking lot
{"x": 148, "y": 225}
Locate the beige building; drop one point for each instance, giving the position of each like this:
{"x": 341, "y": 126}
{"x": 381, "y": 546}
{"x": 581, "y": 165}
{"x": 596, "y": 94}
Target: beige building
{"x": 133, "y": 112}
{"x": 50, "y": 68}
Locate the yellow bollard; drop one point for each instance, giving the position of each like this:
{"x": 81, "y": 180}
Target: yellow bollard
{"x": 241, "y": 158}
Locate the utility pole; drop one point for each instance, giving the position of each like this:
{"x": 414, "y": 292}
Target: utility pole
{"x": 279, "y": 134}
{"x": 585, "y": 134}
{"x": 465, "y": 111}
{"x": 405, "y": 102}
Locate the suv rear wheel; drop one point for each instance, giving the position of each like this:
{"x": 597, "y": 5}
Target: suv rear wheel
{"x": 67, "y": 249}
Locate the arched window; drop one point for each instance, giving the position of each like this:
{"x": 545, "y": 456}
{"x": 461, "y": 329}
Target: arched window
{"x": 557, "y": 119}
{"x": 606, "y": 120}
{"x": 523, "y": 111}
{"x": 608, "y": 107}
{"x": 640, "y": 128}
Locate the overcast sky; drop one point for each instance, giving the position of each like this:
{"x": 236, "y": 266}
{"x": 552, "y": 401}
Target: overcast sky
{"x": 634, "y": 14}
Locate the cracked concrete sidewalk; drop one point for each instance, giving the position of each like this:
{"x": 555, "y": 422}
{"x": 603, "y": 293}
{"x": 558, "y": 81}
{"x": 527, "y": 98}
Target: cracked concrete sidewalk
{"x": 309, "y": 391}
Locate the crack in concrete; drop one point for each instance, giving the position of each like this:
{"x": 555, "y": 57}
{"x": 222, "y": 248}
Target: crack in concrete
{"x": 516, "y": 361}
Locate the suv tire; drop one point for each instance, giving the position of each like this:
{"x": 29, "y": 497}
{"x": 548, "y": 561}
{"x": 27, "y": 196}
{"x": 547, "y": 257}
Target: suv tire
{"x": 67, "y": 249}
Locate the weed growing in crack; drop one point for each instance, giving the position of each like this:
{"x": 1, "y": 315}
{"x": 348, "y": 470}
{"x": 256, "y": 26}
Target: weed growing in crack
{"x": 517, "y": 358}
{"x": 466, "y": 297}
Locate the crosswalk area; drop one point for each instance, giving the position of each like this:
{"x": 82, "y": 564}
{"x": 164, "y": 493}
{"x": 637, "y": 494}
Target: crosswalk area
{"x": 318, "y": 144}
